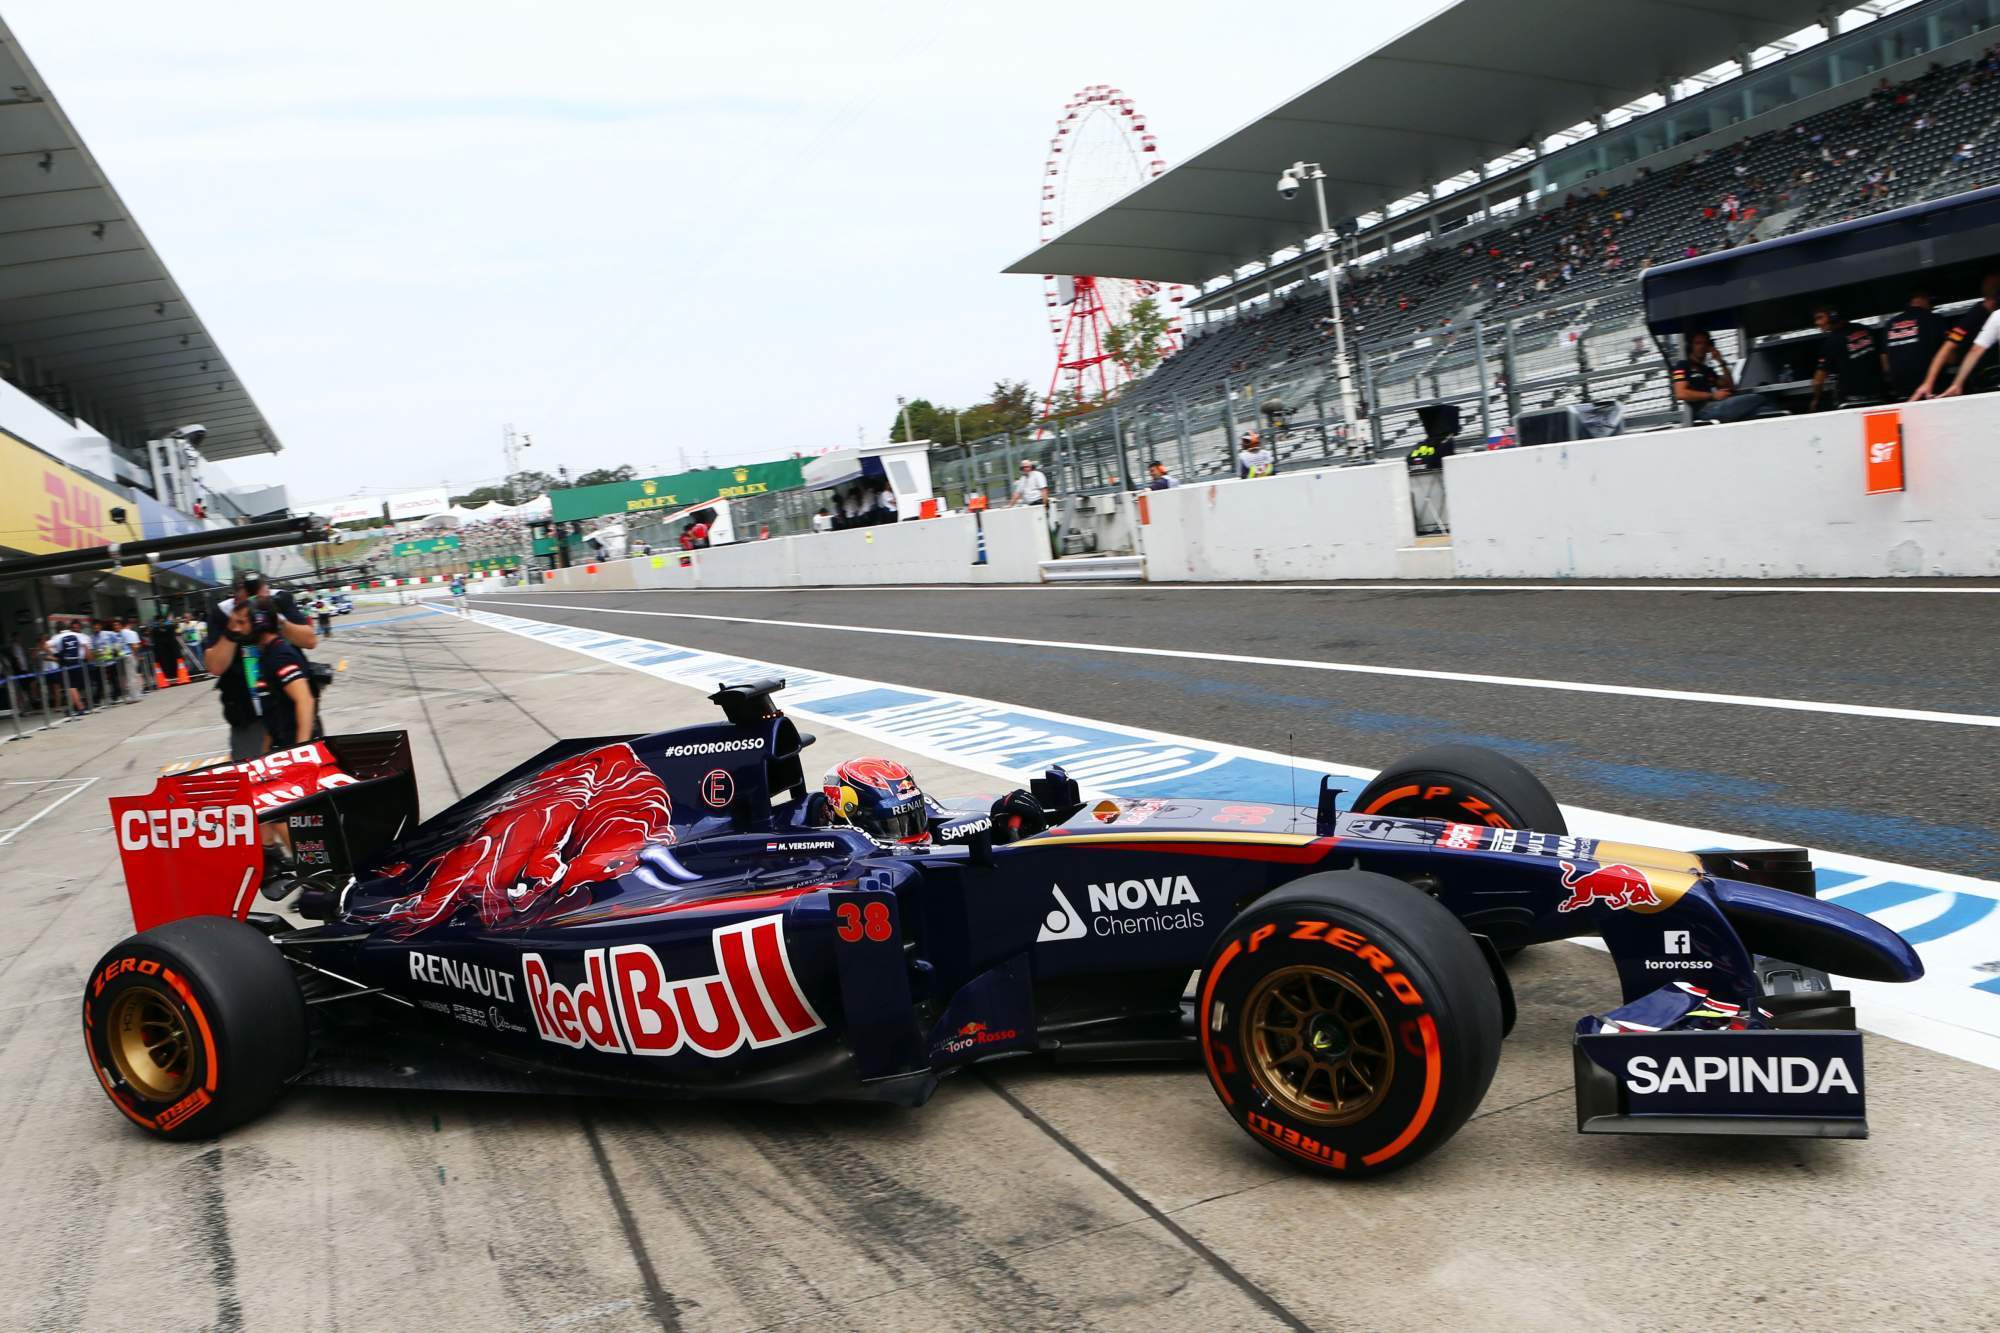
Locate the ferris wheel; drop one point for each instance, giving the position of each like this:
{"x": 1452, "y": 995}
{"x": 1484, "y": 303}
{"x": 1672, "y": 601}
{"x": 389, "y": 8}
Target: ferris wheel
{"x": 1101, "y": 151}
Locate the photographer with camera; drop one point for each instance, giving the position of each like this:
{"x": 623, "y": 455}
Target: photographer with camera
{"x": 231, "y": 652}
{"x": 285, "y": 694}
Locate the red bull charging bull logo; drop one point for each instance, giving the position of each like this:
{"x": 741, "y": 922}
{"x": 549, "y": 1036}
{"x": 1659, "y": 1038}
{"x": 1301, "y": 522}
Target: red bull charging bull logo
{"x": 1615, "y": 886}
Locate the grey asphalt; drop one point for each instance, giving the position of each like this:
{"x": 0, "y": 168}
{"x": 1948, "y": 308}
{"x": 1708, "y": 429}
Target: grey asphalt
{"x": 1023, "y": 1197}
{"x": 1915, "y": 792}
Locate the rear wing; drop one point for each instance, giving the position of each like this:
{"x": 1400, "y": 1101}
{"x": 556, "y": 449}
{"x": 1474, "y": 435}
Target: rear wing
{"x": 201, "y": 842}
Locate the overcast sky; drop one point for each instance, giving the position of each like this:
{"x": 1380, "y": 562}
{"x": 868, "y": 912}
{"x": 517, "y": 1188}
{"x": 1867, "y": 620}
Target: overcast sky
{"x": 634, "y": 234}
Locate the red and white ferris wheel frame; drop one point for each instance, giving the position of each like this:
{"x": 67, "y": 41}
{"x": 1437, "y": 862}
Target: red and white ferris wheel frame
{"x": 1133, "y": 122}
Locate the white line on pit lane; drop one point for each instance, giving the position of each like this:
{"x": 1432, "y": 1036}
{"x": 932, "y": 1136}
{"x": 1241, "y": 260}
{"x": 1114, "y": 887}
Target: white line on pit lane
{"x": 1086, "y": 586}
{"x": 1308, "y": 664}
{"x": 10, "y": 834}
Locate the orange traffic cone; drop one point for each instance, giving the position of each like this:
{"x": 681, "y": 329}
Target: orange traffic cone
{"x": 159, "y": 678}
{"x": 181, "y": 676}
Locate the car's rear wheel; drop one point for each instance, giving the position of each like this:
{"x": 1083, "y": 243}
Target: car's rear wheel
{"x": 194, "y": 1027}
{"x": 1349, "y": 1022}
{"x": 1467, "y": 784}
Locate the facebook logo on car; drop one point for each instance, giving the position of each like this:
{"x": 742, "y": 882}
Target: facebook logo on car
{"x": 1677, "y": 941}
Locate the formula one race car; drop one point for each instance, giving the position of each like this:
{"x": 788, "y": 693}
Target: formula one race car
{"x": 678, "y": 915}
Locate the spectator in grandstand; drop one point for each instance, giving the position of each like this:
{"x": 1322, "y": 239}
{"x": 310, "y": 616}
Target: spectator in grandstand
{"x": 1909, "y": 341}
{"x": 822, "y": 521}
{"x": 1969, "y": 324}
{"x": 227, "y": 654}
{"x": 1849, "y": 353}
{"x": 1702, "y": 380}
{"x": 1253, "y": 460}
{"x": 1031, "y": 487}
{"x": 1162, "y": 480}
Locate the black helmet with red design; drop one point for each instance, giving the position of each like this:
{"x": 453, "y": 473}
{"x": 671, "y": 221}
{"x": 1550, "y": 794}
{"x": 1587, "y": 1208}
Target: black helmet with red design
{"x": 879, "y": 797}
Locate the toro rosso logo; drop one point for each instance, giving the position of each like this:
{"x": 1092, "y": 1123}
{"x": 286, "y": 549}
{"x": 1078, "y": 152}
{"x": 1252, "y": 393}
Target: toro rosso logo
{"x": 627, "y": 1005}
{"x": 1613, "y": 886}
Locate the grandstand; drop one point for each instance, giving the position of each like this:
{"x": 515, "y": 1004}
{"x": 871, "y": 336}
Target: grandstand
{"x": 1539, "y": 249}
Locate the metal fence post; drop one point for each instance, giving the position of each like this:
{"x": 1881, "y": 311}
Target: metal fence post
{"x": 1125, "y": 478}
{"x": 1508, "y": 368}
{"x": 1228, "y": 415}
{"x": 1374, "y": 407}
{"x": 1485, "y": 388}
{"x": 1186, "y": 439}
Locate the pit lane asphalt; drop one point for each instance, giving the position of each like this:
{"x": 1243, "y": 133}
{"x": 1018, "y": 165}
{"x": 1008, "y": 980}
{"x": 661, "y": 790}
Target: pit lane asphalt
{"x": 1915, "y": 792}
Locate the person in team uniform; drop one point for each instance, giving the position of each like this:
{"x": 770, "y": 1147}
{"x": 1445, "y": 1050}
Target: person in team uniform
{"x": 284, "y": 684}
{"x": 1909, "y": 341}
{"x": 1849, "y": 353}
{"x": 226, "y": 652}
{"x": 1957, "y": 338}
{"x": 1702, "y": 380}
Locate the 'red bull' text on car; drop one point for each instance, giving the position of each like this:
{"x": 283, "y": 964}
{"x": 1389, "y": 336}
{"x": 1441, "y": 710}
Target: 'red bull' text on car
{"x": 679, "y": 915}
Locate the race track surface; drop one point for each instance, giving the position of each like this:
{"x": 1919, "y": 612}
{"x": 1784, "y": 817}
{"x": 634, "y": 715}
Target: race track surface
{"x": 1918, "y": 792}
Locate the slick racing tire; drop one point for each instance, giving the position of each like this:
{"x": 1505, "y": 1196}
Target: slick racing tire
{"x": 193, "y": 1027}
{"x": 1349, "y": 1022}
{"x": 1465, "y": 784}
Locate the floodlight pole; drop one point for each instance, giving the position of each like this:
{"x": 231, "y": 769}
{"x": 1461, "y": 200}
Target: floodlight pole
{"x": 1311, "y": 171}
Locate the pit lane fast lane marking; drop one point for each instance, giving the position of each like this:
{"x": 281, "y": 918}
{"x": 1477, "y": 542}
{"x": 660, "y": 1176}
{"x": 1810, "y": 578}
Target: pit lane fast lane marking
{"x": 1955, "y": 1010}
{"x": 1354, "y": 668}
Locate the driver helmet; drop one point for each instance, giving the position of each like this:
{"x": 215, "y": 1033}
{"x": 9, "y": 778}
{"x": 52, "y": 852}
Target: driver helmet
{"x": 880, "y": 798}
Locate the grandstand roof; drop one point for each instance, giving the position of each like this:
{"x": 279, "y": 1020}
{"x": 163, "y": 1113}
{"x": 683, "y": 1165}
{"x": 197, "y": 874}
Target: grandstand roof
{"x": 91, "y": 323}
{"x": 1470, "y": 84}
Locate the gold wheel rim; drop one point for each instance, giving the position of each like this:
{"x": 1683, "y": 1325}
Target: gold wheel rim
{"x": 150, "y": 1044}
{"x": 1319, "y": 1047}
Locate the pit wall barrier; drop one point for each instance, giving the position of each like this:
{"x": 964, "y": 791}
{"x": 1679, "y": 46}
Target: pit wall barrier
{"x": 1330, "y": 523}
{"x": 936, "y": 550}
{"x": 1783, "y": 498}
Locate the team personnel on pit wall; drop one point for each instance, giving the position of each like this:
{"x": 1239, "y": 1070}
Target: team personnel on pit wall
{"x": 1701, "y": 379}
{"x": 1909, "y": 340}
{"x": 1982, "y": 342}
{"x": 1959, "y": 337}
{"x": 225, "y": 652}
{"x": 1849, "y": 352}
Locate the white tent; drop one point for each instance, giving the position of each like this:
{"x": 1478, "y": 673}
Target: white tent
{"x": 539, "y": 507}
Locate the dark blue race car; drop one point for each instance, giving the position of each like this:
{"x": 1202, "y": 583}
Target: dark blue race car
{"x": 680, "y": 915}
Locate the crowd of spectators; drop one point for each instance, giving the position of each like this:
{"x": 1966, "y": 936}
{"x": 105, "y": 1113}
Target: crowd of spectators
{"x": 1924, "y": 137}
{"x": 861, "y": 506}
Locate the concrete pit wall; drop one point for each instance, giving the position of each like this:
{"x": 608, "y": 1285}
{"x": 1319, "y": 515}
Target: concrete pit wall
{"x": 1780, "y": 499}
{"x": 938, "y": 550}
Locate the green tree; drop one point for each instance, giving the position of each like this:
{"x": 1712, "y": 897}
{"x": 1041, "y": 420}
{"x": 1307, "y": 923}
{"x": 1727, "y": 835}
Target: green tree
{"x": 605, "y": 475}
{"x": 1011, "y": 406}
{"x": 927, "y": 422}
{"x": 1135, "y": 344}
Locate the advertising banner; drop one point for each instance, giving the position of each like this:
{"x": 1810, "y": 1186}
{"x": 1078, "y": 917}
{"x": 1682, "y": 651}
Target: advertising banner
{"x": 678, "y": 491}
{"x": 417, "y": 504}
{"x": 354, "y": 509}
{"x": 451, "y": 541}
{"x": 46, "y": 507}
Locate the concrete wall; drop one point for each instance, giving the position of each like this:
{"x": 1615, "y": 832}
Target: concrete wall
{"x": 1332, "y": 523}
{"x": 1765, "y": 499}
{"x": 939, "y": 550}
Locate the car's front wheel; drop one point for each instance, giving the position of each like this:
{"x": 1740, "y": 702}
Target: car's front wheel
{"x": 194, "y": 1027}
{"x": 1349, "y": 1022}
